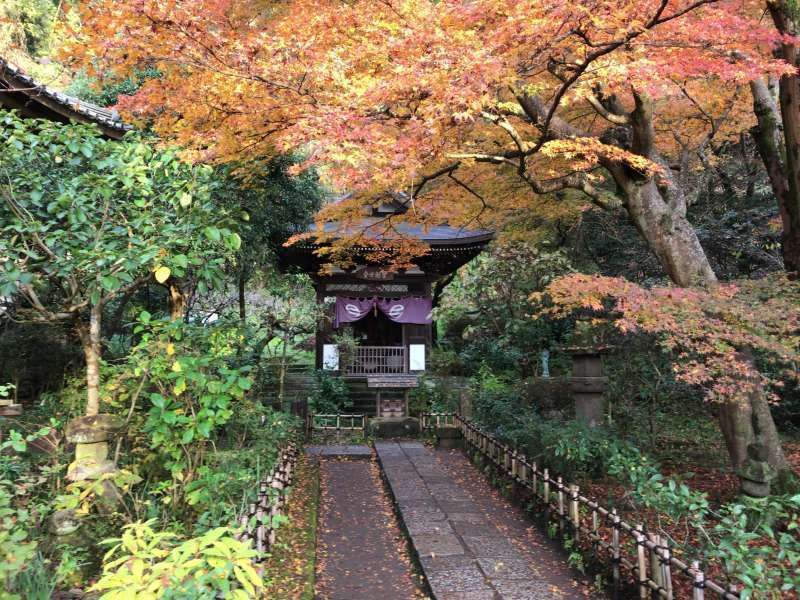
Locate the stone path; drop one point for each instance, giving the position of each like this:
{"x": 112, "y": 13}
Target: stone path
{"x": 361, "y": 551}
{"x": 341, "y": 451}
{"x": 471, "y": 544}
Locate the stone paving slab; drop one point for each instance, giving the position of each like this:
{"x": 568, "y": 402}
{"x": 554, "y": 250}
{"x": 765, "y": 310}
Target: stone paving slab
{"x": 340, "y": 451}
{"x": 463, "y": 554}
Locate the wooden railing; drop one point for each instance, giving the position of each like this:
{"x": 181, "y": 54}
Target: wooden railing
{"x": 336, "y": 423}
{"x": 431, "y": 420}
{"x": 646, "y": 556}
{"x": 258, "y": 520}
{"x": 376, "y": 360}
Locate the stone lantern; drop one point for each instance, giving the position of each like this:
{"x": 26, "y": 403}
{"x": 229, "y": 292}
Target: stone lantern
{"x": 588, "y": 384}
{"x": 91, "y": 436}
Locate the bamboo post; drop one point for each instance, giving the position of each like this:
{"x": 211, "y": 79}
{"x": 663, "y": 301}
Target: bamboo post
{"x": 243, "y": 520}
{"x": 641, "y": 562}
{"x": 262, "y": 493}
{"x": 546, "y": 482}
{"x": 575, "y": 512}
{"x": 666, "y": 570}
{"x": 277, "y": 485}
{"x": 535, "y": 479}
{"x": 595, "y": 531}
{"x": 560, "y": 488}
{"x": 514, "y": 465}
{"x": 655, "y": 564}
{"x": 615, "y": 551}
{"x": 699, "y": 587}
{"x": 260, "y": 549}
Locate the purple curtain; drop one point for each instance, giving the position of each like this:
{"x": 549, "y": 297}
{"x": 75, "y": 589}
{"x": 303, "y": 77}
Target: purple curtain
{"x": 352, "y": 309}
{"x": 400, "y": 310}
{"x": 407, "y": 310}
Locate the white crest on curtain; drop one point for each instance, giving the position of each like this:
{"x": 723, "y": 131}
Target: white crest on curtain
{"x": 396, "y": 311}
{"x": 352, "y": 310}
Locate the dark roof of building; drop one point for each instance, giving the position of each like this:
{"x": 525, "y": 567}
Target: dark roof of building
{"x": 33, "y": 99}
{"x": 379, "y": 229}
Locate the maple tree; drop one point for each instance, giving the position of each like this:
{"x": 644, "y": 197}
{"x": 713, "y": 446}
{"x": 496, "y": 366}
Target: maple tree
{"x": 737, "y": 341}
{"x": 391, "y": 94}
{"x": 458, "y": 103}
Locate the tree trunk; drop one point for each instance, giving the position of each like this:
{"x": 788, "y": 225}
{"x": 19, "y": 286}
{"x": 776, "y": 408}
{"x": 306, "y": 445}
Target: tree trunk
{"x": 751, "y": 422}
{"x": 242, "y": 303}
{"x": 282, "y": 374}
{"x": 657, "y": 206}
{"x": 177, "y": 301}
{"x": 92, "y": 350}
{"x": 669, "y": 235}
{"x": 776, "y": 157}
{"x": 783, "y": 161}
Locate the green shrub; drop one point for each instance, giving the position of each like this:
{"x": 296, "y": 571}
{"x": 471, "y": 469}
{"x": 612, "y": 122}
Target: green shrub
{"x": 433, "y": 395}
{"x": 329, "y": 394}
{"x": 741, "y": 545}
{"x": 157, "y": 565}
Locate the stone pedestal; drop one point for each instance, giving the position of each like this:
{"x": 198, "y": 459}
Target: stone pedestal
{"x": 91, "y": 436}
{"x": 588, "y": 384}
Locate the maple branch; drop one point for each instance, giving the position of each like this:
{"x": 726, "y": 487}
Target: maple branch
{"x": 601, "y": 51}
{"x": 576, "y": 181}
{"x": 435, "y": 175}
{"x": 612, "y": 117}
{"x": 557, "y": 128}
{"x": 470, "y": 190}
{"x": 505, "y": 125}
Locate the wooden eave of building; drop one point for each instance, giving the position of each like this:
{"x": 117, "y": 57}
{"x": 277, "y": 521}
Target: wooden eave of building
{"x": 37, "y": 101}
{"x": 448, "y": 249}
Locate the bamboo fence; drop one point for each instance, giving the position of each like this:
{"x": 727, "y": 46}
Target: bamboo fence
{"x": 336, "y": 423}
{"x": 257, "y": 521}
{"x": 644, "y": 555}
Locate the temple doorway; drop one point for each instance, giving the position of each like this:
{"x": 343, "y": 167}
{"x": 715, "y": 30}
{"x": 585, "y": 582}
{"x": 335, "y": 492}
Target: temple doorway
{"x": 378, "y": 330}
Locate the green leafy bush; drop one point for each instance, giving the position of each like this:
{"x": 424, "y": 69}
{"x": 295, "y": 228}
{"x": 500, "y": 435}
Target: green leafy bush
{"x": 16, "y": 549}
{"x": 434, "y": 395}
{"x": 329, "y": 394}
{"x": 156, "y": 564}
{"x": 758, "y": 542}
{"x": 20, "y": 516}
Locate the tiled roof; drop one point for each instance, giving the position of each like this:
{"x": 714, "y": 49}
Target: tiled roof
{"x": 14, "y": 81}
{"x": 375, "y": 227}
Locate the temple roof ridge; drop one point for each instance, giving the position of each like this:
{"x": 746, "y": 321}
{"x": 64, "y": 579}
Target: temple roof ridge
{"x": 21, "y": 91}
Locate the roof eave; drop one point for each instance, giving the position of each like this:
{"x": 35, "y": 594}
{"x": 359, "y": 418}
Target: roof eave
{"x": 58, "y": 103}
